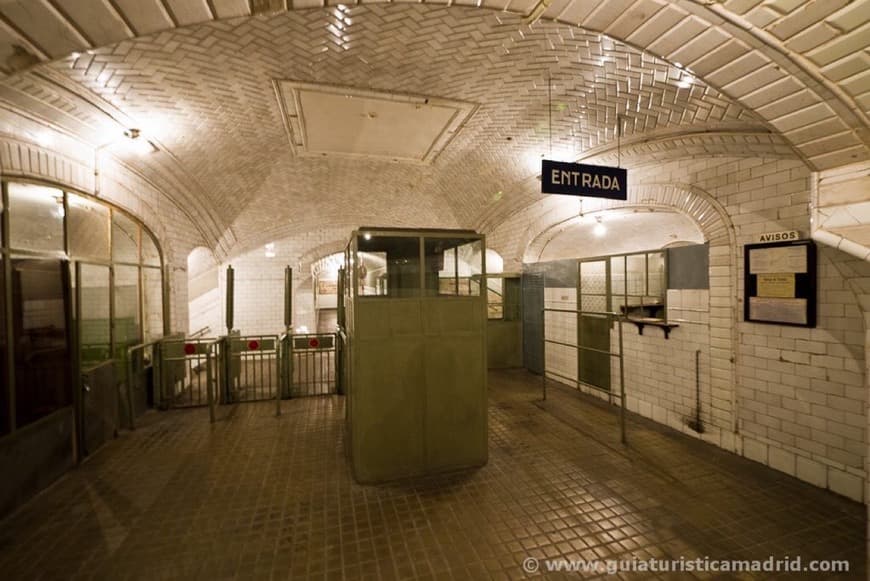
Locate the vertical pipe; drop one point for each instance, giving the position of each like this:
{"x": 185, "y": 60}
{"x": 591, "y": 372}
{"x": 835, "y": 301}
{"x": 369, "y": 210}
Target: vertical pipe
{"x": 544, "y": 354}
{"x": 230, "y": 297}
{"x": 698, "y": 427}
{"x": 279, "y": 348}
{"x": 208, "y": 382}
{"x": 288, "y": 297}
{"x": 129, "y": 370}
{"x": 9, "y": 318}
{"x": 621, "y": 387}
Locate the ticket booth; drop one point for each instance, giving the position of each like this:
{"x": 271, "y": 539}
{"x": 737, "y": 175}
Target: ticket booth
{"x": 415, "y": 318}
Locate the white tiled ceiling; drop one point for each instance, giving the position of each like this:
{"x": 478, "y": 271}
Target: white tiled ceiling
{"x": 205, "y": 92}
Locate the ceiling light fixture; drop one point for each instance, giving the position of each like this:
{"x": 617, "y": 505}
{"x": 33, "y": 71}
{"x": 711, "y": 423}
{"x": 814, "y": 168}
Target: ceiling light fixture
{"x": 600, "y": 229}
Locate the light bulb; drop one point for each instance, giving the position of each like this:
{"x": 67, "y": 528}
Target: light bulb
{"x": 600, "y": 229}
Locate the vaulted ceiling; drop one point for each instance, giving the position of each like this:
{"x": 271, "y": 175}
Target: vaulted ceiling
{"x": 199, "y": 77}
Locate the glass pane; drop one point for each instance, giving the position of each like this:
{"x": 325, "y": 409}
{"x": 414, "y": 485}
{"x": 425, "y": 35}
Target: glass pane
{"x": 388, "y": 266}
{"x": 495, "y": 298}
{"x": 35, "y": 217}
{"x": 126, "y": 321}
{"x": 636, "y": 274}
{"x": 150, "y": 254}
{"x": 656, "y": 265}
{"x": 617, "y": 275}
{"x": 125, "y": 239}
{"x": 512, "y": 299}
{"x": 88, "y": 225}
{"x": 4, "y": 388}
{"x": 153, "y": 295}
{"x": 40, "y": 307}
{"x": 453, "y": 266}
{"x": 593, "y": 277}
{"x": 93, "y": 292}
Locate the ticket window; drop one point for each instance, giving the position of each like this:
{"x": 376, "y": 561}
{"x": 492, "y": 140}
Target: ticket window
{"x": 388, "y": 266}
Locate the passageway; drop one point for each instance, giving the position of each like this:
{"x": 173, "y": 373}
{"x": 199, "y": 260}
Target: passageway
{"x": 256, "y": 496}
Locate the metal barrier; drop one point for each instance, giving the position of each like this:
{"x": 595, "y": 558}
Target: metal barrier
{"x": 253, "y": 368}
{"x": 619, "y": 318}
{"x": 185, "y": 371}
{"x": 312, "y": 364}
{"x": 142, "y": 366}
{"x": 192, "y": 372}
{"x": 215, "y": 373}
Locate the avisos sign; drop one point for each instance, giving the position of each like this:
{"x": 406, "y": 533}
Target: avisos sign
{"x": 577, "y": 179}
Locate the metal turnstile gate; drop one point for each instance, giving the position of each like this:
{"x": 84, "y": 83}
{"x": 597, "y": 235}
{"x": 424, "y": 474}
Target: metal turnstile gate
{"x": 254, "y": 368}
{"x": 311, "y": 364}
{"x": 189, "y": 371}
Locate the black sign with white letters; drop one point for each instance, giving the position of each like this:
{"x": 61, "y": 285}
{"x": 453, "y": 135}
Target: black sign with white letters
{"x": 577, "y": 179}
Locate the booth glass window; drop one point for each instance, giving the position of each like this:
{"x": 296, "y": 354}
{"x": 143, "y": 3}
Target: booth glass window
{"x": 88, "y": 225}
{"x": 150, "y": 253}
{"x": 453, "y": 266}
{"x": 388, "y": 266}
{"x": 40, "y": 307}
{"x": 60, "y": 238}
{"x": 152, "y": 293}
{"x": 94, "y": 321}
{"x": 126, "y": 322}
{"x": 125, "y": 239}
{"x": 503, "y": 298}
{"x": 638, "y": 284}
{"x": 38, "y": 213}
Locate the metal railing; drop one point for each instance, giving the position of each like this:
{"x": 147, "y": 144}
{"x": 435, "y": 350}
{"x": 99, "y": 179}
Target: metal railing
{"x": 185, "y": 372}
{"x": 191, "y": 372}
{"x": 312, "y": 364}
{"x": 620, "y": 319}
{"x": 254, "y": 368}
{"x": 141, "y": 361}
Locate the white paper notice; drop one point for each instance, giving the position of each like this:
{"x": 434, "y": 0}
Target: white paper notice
{"x": 779, "y": 259}
{"x": 792, "y": 311}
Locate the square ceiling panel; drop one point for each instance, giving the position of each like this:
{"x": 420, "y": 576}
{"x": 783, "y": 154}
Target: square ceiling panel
{"x": 346, "y": 121}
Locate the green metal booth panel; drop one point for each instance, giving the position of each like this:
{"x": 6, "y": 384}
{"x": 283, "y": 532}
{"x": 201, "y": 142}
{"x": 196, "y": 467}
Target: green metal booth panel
{"x": 417, "y": 355}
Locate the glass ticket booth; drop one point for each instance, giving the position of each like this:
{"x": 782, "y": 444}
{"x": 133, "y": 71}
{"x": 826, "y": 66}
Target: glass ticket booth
{"x": 414, "y": 311}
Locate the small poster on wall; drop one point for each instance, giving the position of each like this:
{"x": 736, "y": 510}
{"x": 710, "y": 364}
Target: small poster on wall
{"x": 780, "y": 283}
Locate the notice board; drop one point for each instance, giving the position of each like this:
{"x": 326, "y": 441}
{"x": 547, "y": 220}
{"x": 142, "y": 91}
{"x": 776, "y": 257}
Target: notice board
{"x": 780, "y": 283}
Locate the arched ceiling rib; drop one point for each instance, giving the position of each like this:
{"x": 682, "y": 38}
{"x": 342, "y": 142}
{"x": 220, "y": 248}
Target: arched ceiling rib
{"x": 802, "y": 64}
{"x": 205, "y": 93}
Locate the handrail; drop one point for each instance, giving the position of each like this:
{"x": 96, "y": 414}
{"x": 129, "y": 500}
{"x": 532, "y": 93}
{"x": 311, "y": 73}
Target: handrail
{"x": 199, "y": 333}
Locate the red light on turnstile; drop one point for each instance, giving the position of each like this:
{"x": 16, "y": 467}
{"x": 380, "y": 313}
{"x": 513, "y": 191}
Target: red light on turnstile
{"x": 253, "y": 345}
{"x": 313, "y": 343}
{"x": 189, "y": 348}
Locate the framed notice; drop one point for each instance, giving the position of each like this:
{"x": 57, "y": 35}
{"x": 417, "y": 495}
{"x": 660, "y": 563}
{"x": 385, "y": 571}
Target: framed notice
{"x": 780, "y": 283}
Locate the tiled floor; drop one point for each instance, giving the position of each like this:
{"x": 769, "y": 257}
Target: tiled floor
{"x": 258, "y": 497}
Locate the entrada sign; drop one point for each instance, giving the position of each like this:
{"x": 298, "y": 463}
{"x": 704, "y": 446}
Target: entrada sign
{"x": 577, "y": 179}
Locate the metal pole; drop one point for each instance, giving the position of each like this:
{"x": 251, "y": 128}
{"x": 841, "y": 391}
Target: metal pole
{"x": 130, "y": 409}
{"x": 621, "y": 388}
{"x": 278, "y": 366}
{"x": 544, "y": 354}
{"x": 230, "y": 296}
{"x": 288, "y": 297}
{"x": 208, "y": 381}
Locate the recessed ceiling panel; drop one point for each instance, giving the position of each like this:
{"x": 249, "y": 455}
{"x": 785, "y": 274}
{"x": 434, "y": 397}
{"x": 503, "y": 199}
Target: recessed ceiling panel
{"x": 345, "y": 121}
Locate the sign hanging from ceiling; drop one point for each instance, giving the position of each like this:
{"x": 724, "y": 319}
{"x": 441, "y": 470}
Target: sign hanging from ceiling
{"x": 577, "y": 179}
